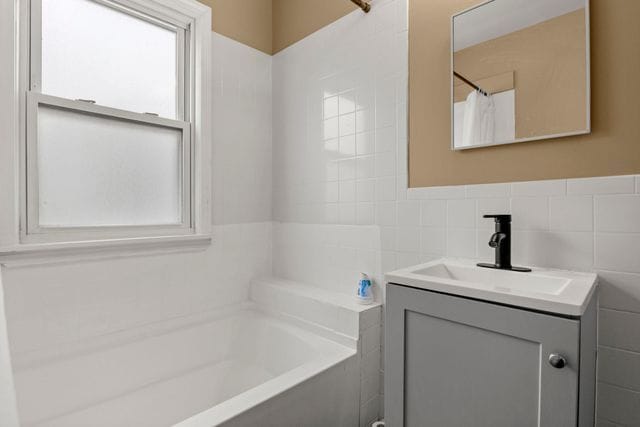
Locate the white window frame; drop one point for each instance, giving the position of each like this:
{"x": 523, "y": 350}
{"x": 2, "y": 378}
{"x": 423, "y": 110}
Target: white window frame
{"x": 22, "y": 240}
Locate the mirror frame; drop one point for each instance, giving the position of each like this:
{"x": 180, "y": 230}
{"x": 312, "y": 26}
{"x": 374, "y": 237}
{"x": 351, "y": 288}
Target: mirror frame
{"x": 534, "y": 138}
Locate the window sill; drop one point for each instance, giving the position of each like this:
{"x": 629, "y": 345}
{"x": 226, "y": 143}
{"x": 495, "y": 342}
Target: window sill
{"x": 52, "y": 253}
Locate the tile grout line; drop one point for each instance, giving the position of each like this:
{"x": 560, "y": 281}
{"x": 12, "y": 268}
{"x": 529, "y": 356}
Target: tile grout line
{"x": 623, "y": 350}
{"x": 619, "y": 311}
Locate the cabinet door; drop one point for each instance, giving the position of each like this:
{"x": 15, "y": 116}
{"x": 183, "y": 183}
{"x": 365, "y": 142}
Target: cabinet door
{"x": 457, "y": 362}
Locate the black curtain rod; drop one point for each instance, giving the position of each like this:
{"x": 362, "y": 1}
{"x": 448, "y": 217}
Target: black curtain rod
{"x": 470, "y": 83}
{"x": 362, "y": 4}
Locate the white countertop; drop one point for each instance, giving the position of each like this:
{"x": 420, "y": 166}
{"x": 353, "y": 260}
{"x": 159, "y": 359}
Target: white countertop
{"x": 554, "y": 291}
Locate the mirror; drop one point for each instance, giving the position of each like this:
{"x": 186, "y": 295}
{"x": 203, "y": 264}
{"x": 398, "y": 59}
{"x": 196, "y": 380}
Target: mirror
{"x": 520, "y": 72}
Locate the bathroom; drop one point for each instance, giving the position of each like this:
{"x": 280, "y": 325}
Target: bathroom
{"x": 326, "y": 169}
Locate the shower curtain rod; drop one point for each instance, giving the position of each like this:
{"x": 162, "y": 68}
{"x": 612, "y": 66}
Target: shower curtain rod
{"x": 470, "y": 83}
{"x": 366, "y": 7}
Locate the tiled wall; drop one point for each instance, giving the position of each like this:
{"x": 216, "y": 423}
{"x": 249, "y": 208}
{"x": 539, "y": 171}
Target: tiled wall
{"x": 342, "y": 206}
{"x": 241, "y": 171}
{"x": 55, "y": 305}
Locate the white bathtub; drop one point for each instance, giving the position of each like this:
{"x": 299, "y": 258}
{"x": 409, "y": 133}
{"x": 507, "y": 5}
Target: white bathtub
{"x": 241, "y": 369}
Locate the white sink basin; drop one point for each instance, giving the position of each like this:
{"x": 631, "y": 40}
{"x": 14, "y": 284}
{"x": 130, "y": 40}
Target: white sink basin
{"x": 553, "y": 291}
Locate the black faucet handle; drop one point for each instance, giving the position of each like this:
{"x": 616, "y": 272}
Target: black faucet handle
{"x": 499, "y": 218}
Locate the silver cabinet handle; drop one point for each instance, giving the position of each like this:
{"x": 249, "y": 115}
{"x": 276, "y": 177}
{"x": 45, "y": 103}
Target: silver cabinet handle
{"x": 557, "y": 360}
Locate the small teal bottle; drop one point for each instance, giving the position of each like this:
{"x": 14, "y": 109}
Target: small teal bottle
{"x": 365, "y": 294}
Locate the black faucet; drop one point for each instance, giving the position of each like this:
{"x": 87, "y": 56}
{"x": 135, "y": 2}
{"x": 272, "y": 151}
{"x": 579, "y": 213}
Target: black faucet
{"x": 501, "y": 242}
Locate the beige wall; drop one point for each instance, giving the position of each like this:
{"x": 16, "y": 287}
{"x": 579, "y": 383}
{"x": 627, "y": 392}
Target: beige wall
{"x": 272, "y": 25}
{"x": 293, "y": 20}
{"x": 613, "y": 147}
{"x": 246, "y": 21}
{"x": 548, "y": 63}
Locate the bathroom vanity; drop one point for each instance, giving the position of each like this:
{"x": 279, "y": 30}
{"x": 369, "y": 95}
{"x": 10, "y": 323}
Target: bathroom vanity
{"x": 469, "y": 346}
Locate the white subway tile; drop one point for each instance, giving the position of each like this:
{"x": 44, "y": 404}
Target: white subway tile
{"x": 434, "y": 213}
{"x": 369, "y": 388}
{"x": 409, "y": 213}
{"x": 332, "y": 193}
{"x": 385, "y": 163}
{"x": 408, "y": 239}
{"x": 369, "y": 412}
{"x": 402, "y": 161}
{"x": 366, "y": 190}
{"x": 433, "y": 240}
{"x": 347, "y": 191}
{"x": 365, "y": 167}
{"x": 530, "y": 213}
{"x": 619, "y": 367}
{"x": 418, "y": 193}
{"x": 331, "y": 213}
{"x": 386, "y": 139}
{"x": 618, "y": 405}
{"x": 365, "y": 143}
{"x": 407, "y": 259}
{"x": 461, "y": 242}
{"x": 330, "y": 128}
{"x": 330, "y": 107}
{"x": 572, "y": 213}
{"x": 347, "y": 145}
{"x": 605, "y": 423}
{"x": 385, "y": 114}
{"x": 386, "y": 213}
{"x": 365, "y": 213}
{"x": 346, "y": 102}
{"x": 347, "y": 124}
{"x": 619, "y": 213}
{"x": 619, "y": 329}
{"x": 347, "y": 213}
{"x": 564, "y": 250}
{"x": 371, "y": 342}
{"x": 347, "y": 169}
{"x": 365, "y": 121}
{"x": 488, "y": 190}
{"x": 332, "y": 170}
{"x": 388, "y": 261}
{"x": 601, "y": 185}
{"x": 449, "y": 192}
{"x": 618, "y": 252}
{"x": 401, "y": 187}
{"x": 619, "y": 291}
{"x": 365, "y": 97}
{"x": 461, "y": 213}
{"x": 388, "y": 238}
{"x": 540, "y": 188}
{"x": 386, "y": 188}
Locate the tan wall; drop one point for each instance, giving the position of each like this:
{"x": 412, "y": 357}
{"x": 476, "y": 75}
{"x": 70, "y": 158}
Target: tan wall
{"x": 272, "y": 25}
{"x": 293, "y": 20}
{"x": 613, "y": 147}
{"x": 548, "y": 62}
{"x": 246, "y": 21}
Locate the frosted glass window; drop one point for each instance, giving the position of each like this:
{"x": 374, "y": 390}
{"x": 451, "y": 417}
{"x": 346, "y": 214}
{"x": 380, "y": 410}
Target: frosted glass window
{"x": 92, "y": 51}
{"x": 97, "y": 171}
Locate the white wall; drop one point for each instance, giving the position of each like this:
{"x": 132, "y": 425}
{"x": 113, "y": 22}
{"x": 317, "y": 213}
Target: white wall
{"x": 52, "y": 307}
{"x": 342, "y": 207}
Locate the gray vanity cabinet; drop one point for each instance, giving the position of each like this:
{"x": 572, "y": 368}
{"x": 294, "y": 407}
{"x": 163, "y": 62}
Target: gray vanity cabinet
{"x": 458, "y": 362}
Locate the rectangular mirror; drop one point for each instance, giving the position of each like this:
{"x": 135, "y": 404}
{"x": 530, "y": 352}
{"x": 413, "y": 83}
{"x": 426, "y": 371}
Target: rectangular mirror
{"x": 520, "y": 72}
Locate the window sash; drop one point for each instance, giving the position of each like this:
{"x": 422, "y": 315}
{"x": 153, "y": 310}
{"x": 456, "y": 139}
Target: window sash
{"x": 181, "y": 28}
{"x": 34, "y": 233}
